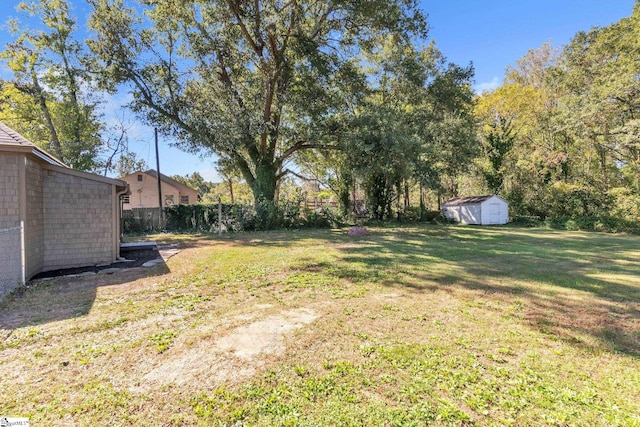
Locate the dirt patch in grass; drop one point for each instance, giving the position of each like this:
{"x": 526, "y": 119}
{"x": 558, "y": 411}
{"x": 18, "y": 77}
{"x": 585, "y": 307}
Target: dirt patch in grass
{"x": 229, "y": 358}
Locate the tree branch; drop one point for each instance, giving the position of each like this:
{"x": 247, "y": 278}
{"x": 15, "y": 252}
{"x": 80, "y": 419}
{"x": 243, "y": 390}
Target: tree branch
{"x": 304, "y": 145}
{"x": 235, "y": 9}
{"x": 258, "y": 23}
{"x": 147, "y": 99}
{"x": 290, "y": 172}
{"x": 245, "y": 170}
{"x": 318, "y": 25}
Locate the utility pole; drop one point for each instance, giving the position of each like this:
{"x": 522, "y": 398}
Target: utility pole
{"x": 161, "y": 212}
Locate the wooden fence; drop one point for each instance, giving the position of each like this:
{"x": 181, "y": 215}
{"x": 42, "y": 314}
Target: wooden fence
{"x": 313, "y": 204}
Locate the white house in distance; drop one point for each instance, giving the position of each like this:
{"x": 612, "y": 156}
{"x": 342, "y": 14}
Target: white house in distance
{"x": 481, "y": 210}
{"x": 144, "y": 191}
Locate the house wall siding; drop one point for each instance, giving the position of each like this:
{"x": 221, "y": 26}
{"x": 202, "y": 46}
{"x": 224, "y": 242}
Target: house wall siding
{"x": 144, "y": 194}
{"x": 465, "y": 214}
{"x": 9, "y": 197}
{"x": 78, "y": 222}
{"x": 471, "y": 214}
{"x": 10, "y": 226}
{"x": 34, "y": 224}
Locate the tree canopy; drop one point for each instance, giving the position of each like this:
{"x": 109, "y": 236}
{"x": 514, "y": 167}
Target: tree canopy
{"x": 561, "y": 134}
{"x": 253, "y": 82}
{"x": 52, "y": 98}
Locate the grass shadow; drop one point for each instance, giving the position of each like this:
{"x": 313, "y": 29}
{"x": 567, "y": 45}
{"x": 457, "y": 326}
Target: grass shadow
{"x": 64, "y": 297}
{"x": 571, "y": 284}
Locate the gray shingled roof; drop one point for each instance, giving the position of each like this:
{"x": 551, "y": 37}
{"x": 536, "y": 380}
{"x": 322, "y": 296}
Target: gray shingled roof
{"x": 9, "y": 137}
{"x": 467, "y": 200}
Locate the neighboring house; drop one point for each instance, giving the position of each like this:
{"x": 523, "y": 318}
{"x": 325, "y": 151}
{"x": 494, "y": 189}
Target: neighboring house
{"x": 51, "y": 216}
{"x": 483, "y": 210}
{"x": 144, "y": 191}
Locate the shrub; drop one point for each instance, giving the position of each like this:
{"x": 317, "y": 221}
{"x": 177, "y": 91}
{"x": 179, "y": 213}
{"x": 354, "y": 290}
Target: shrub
{"x": 204, "y": 218}
{"x": 268, "y": 215}
{"x": 432, "y": 216}
{"x": 140, "y": 220}
{"x": 603, "y": 223}
{"x": 576, "y": 201}
{"x": 325, "y": 217}
{"x": 625, "y": 204}
{"x": 418, "y": 214}
{"x": 131, "y": 225}
{"x": 526, "y": 221}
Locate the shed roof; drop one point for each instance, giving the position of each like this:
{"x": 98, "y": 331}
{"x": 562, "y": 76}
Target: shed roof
{"x": 12, "y": 141}
{"x": 471, "y": 200}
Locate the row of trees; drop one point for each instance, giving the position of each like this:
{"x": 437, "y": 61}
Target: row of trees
{"x": 561, "y": 136}
{"x": 346, "y": 94}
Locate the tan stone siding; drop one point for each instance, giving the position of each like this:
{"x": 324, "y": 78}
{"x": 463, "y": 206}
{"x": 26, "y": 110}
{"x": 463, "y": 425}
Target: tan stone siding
{"x": 34, "y": 226}
{"x": 78, "y": 222}
{"x": 10, "y": 227}
{"x": 9, "y": 198}
{"x": 11, "y": 260}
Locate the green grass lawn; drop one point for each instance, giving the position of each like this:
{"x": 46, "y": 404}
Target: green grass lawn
{"x": 428, "y": 325}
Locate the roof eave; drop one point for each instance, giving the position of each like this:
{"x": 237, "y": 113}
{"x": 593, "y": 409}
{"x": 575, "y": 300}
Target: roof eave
{"x": 30, "y": 149}
{"x": 88, "y": 175}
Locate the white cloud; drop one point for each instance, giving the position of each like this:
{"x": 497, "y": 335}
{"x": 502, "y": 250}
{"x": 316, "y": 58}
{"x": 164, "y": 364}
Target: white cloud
{"x": 210, "y": 175}
{"x": 487, "y": 86}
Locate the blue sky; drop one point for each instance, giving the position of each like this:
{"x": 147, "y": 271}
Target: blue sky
{"x": 496, "y": 33}
{"x": 490, "y": 33}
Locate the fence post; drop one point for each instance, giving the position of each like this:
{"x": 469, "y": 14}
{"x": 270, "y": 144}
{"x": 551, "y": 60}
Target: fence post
{"x": 219, "y": 216}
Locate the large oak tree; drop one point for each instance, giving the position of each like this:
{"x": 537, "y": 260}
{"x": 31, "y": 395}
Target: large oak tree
{"x": 254, "y": 82}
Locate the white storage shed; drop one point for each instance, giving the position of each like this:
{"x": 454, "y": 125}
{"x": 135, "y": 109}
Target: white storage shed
{"x": 481, "y": 210}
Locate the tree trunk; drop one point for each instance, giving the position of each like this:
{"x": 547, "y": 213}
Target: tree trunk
{"x": 603, "y": 166}
{"x": 262, "y": 178}
{"x": 422, "y": 207}
{"x": 355, "y": 198}
{"x": 265, "y": 183}
{"x": 42, "y": 102}
{"x": 276, "y": 197}
{"x": 406, "y": 195}
{"x": 230, "y": 182}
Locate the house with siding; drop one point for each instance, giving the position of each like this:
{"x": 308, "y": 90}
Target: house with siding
{"x": 51, "y": 216}
{"x": 144, "y": 191}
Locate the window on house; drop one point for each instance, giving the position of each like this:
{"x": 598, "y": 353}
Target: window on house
{"x": 140, "y": 177}
{"x": 184, "y": 200}
{"x": 126, "y": 199}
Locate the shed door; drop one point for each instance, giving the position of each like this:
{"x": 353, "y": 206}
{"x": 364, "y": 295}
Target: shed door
{"x": 494, "y": 213}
